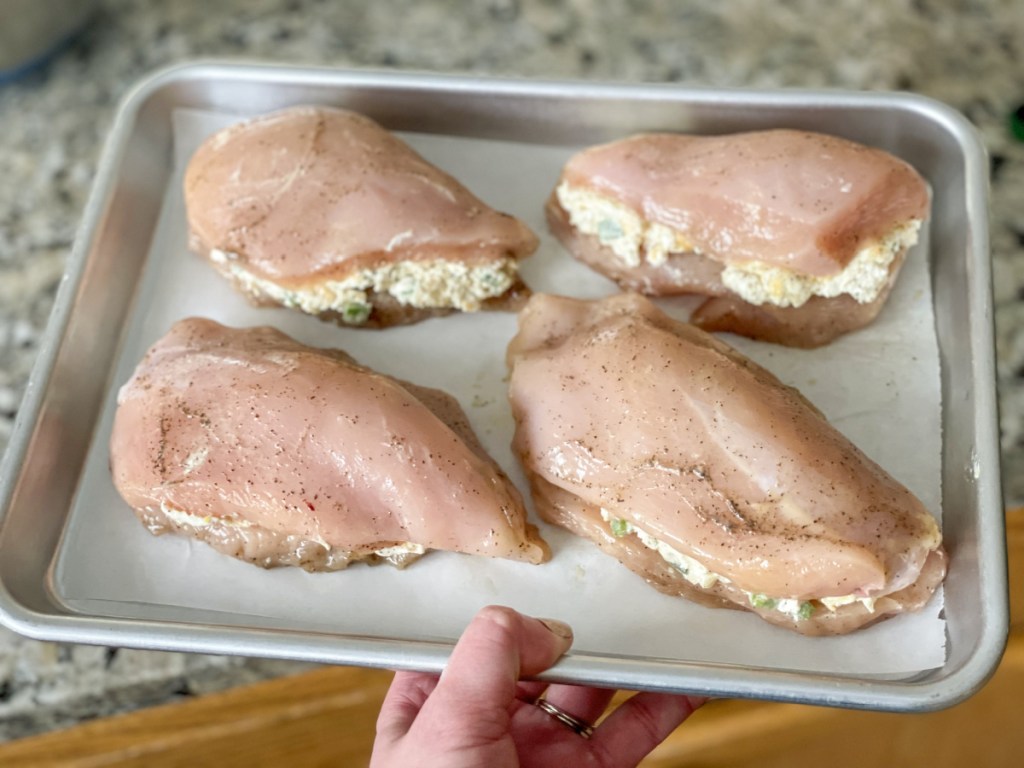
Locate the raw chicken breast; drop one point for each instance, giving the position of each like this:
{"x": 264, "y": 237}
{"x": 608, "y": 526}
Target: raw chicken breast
{"x": 705, "y": 474}
{"x": 798, "y": 237}
{"x": 325, "y": 211}
{"x": 282, "y": 454}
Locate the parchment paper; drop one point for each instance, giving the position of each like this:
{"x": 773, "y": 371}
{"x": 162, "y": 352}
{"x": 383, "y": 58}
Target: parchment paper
{"x": 879, "y": 386}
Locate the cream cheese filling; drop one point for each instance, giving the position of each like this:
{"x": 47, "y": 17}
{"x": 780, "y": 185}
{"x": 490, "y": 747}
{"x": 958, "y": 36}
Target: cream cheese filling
{"x": 181, "y": 517}
{"x": 634, "y": 239}
{"x": 699, "y": 575}
{"x": 863, "y": 278}
{"x": 422, "y": 284}
{"x": 628, "y": 234}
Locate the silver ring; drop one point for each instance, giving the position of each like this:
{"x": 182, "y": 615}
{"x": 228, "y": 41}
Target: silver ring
{"x": 574, "y": 724}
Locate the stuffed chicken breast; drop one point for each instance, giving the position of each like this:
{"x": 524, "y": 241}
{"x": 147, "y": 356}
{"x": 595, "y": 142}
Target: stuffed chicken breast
{"x": 705, "y": 474}
{"x": 795, "y": 237}
{"x": 325, "y": 211}
{"x": 282, "y": 454}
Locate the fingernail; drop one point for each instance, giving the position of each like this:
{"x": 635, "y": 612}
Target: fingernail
{"x": 559, "y": 628}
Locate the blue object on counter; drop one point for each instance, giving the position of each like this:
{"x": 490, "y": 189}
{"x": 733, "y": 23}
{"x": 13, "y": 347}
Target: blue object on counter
{"x": 37, "y": 30}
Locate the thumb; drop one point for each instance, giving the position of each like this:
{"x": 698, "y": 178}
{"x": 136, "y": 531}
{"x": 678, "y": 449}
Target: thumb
{"x": 497, "y": 648}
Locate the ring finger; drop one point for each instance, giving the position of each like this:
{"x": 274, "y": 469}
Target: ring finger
{"x": 586, "y": 704}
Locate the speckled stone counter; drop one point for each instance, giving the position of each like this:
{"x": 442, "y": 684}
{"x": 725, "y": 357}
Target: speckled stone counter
{"x": 53, "y": 122}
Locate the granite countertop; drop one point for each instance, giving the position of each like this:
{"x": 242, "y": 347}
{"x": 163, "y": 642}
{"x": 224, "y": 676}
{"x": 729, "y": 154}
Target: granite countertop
{"x": 53, "y": 123}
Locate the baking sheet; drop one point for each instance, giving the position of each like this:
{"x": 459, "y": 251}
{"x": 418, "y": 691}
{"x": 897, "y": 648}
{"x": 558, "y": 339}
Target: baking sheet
{"x": 879, "y": 386}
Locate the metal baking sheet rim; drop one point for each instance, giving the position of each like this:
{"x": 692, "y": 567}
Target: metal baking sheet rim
{"x": 46, "y": 619}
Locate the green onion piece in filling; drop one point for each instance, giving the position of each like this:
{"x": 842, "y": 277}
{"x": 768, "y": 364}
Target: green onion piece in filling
{"x": 762, "y": 601}
{"x": 619, "y": 527}
{"x": 608, "y": 230}
{"x": 806, "y": 610}
{"x": 356, "y": 313}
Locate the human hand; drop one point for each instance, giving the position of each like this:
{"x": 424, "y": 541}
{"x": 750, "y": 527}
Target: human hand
{"x": 479, "y": 713}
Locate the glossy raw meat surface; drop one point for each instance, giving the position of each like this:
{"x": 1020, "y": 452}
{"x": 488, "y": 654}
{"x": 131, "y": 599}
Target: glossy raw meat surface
{"x": 325, "y": 211}
{"x": 285, "y": 454}
{"x": 317, "y": 191}
{"x": 795, "y": 199}
{"x": 795, "y": 238}
{"x": 620, "y": 408}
